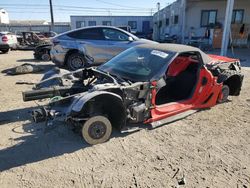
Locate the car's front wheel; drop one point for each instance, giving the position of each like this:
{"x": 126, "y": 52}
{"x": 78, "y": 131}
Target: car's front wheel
{"x": 96, "y": 130}
{"x": 75, "y": 61}
{"x": 223, "y": 96}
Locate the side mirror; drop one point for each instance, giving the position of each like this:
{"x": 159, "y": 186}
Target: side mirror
{"x": 130, "y": 39}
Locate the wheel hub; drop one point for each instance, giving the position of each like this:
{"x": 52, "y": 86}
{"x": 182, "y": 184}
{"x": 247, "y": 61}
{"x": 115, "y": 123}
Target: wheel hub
{"x": 97, "y": 130}
{"x": 46, "y": 57}
{"x": 77, "y": 62}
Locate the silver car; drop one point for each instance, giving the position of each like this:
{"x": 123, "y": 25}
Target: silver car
{"x": 91, "y": 46}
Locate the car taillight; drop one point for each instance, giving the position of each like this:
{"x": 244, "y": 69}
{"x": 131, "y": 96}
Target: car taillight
{"x": 5, "y": 38}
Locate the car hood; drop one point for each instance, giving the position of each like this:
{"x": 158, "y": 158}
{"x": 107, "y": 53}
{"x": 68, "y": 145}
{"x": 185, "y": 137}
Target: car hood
{"x": 216, "y": 59}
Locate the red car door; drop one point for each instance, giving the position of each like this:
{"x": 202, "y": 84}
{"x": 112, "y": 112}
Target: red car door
{"x": 205, "y": 95}
{"x": 207, "y": 91}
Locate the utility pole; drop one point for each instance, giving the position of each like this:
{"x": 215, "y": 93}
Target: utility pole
{"x": 183, "y": 21}
{"x": 158, "y": 21}
{"x": 227, "y": 27}
{"x": 51, "y": 15}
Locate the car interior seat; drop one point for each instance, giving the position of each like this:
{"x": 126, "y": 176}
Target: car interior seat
{"x": 181, "y": 78}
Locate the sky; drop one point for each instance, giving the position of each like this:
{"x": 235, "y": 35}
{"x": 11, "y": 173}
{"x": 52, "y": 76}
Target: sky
{"x": 39, "y": 9}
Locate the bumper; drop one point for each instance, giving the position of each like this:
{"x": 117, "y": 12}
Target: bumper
{"x": 4, "y": 46}
{"x": 57, "y": 58}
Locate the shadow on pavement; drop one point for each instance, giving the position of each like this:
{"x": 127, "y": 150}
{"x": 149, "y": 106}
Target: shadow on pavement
{"x": 39, "y": 146}
{"x": 36, "y": 144}
{"x": 31, "y": 60}
{"x": 42, "y": 68}
{"x": 15, "y": 115}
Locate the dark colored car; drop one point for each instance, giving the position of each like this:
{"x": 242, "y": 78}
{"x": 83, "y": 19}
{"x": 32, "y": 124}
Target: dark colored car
{"x": 143, "y": 87}
{"x": 42, "y": 52}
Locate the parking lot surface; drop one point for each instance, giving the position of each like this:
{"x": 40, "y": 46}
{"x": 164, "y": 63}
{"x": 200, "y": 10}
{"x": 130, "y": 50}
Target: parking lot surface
{"x": 208, "y": 149}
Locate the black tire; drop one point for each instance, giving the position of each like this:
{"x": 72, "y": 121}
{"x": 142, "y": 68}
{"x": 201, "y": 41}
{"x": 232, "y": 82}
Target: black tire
{"x": 45, "y": 56}
{"x": 223, "y": 96}
{"x": 37, "y": 57}
{"x": 5, "y": 51}
{"x": 96, "y": 130}
{"x": 75, "y": 61}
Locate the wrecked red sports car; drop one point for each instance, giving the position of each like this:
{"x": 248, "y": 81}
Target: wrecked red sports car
{"x": 143, "y": 87}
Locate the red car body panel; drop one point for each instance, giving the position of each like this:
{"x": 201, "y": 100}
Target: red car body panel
{"x": 178, "y": 65}
{"x": 222, "y": 59}
{"x": 204, "y": 96}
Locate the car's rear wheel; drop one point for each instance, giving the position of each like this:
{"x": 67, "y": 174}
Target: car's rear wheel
{"x": 5, "y": 51}
{"x": 224, "y": 93}
{"x": 96, "y": 130}
{"x": 75, "y": 61}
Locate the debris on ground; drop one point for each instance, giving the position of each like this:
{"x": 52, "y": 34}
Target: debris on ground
{"x": 25, "y": 69}
{"x": 182, "y": 181}
{"x": 25, "y": 82}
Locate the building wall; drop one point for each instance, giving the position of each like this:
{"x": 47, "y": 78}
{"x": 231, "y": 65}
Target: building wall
{"x": 160, "y": 24}
{"x": 194, "y": 8}
{"x": 4, "y": 17}
{"x": 42, "y": 28}
{"x": 193, "y": 16}
{"x": 115, "y": 21}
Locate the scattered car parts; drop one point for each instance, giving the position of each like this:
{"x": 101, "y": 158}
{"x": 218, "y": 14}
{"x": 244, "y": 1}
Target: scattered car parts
{"x": 25, "y": 69}
{"x": 42, "y": 52}
{"x": 29, "y": 40}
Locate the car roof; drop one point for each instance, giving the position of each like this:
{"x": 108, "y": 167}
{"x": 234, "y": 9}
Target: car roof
{"x": 4, "y": 32}
{"x": 100, "y": 26}
{"x": 177, "y": 48}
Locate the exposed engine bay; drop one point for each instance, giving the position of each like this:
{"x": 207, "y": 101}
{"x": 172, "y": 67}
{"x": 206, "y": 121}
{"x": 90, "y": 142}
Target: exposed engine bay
{"x": 71, "y": 91}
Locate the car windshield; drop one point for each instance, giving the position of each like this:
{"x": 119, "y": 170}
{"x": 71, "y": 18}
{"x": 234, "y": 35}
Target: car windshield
{"x": 138, "y": 64}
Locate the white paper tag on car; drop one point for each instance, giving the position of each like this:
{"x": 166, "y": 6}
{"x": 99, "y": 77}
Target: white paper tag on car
{"x": 159, "y": 53}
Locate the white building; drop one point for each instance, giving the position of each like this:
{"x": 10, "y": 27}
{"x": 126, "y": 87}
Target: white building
{"x": 4, "y": 17}
{"x": 137, "y": 23}
{"x": 192, "y": 18}
{"x": 29, "y": 22}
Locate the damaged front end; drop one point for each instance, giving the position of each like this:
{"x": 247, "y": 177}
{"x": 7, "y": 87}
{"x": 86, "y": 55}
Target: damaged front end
{"x": 228, "y": 72}
{"x": 77, "y": 96}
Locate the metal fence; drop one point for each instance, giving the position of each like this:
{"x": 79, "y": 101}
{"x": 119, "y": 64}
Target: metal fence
{"x": 42, "y": 28}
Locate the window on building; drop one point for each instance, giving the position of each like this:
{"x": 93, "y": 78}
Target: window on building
{"x": 176, "y": 19}
{"x": 160, "y": 23}
{"x": 91, "y": 34}
{"x": 115, "y": 35}
{"x": 106, "y": 23}
{"x": 167, "y": 21}
{"x": 132, "y": 24}
{"x": 80, "y": 24}
{"x": 238, "y": 16}
{"x": 208, "y": 17}
{"x": 92, "y": 23}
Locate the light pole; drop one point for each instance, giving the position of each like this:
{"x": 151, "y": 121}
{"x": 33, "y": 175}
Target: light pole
{"x": 51, "y": 15}
{"x": 183, "y": 21}
{"x": 227, "y": 27}
{"x": 158, "y": 21}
